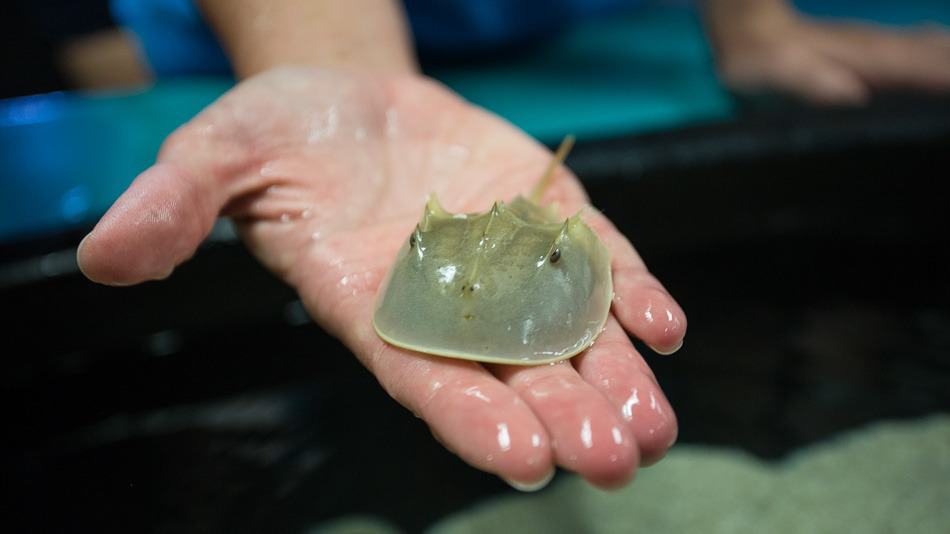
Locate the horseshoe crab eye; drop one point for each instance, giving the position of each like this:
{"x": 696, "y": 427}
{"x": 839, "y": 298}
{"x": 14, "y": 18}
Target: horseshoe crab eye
{"x": 473, "y": 286}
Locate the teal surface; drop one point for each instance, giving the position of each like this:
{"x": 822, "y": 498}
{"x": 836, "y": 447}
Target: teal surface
{"x": 887, "y": 12}
{"x": 645, "y": 70}
{"x": 64, "y": 158}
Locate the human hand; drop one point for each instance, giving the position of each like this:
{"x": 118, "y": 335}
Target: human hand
{"x": 325, "y": 174}
{"x": 764, "y": 45}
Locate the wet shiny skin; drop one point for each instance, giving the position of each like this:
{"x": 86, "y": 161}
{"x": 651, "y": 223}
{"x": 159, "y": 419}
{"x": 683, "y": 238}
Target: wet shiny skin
{"x": 324, "y": 173}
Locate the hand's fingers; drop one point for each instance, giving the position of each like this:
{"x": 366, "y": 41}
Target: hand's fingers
{"x": 588, "y": 435}
{"x": 617, "y": 371}
{"x": 793, "y": 68}
{"x": 887, "y": 58}
{"x": 822, "y": 83}
{"x": 471, "y": 413}
{"x": 154, "y": 226}
{"x": 937, "y": 35}
{"x": 641, "y": 303}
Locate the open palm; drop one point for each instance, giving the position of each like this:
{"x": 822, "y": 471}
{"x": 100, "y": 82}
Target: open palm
{"x": 326, "y": 174}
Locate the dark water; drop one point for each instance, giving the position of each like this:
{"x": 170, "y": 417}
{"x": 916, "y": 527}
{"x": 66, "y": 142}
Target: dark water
{"x": 814, "y": 274}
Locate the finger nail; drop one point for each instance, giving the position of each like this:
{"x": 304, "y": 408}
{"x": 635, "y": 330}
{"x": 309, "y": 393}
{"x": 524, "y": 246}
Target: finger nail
{"x": 79, "y": 253}
{"x": 529, "y": 487}
{"x": 83, "y": 242}
{"x": 668, "y": 351}
{"x": 165, "y": 274}
{"x": 81, "y": 264}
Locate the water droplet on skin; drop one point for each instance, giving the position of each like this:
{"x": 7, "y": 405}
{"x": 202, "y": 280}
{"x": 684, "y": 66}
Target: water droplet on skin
{"x": 267, "y": 171}
{"x": 628, "y": 405}
{"x": 458, "y": 151}
{"x": 306, "y": 214}
{"x": 316, "y": 236}
{"x": 655, "y": 404}
{"x": 538, "y": 393}
{"x": 392, "y": 123}
{"x": 504, "y": 439}
{"x": 535, "y": 440}
{"x": 284, "y": 217}
{"x": 477, "y": 393}
{"x": 324, "y": 125}
{"x": 617, "y": 435}
{"x": 587, "y": 434}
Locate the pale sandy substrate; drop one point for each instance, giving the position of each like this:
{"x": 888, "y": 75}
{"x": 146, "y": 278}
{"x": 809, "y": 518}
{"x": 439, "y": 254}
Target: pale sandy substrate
{"x": 891, "y": 477}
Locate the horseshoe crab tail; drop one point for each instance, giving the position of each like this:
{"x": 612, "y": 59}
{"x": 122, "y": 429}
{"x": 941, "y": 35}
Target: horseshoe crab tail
{"x": 548, "y": 175}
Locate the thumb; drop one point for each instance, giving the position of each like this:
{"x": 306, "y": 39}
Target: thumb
{"x": 153, "y": 227}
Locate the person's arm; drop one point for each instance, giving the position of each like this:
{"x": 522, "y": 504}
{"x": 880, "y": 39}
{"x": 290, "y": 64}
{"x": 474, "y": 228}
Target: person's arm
{"x": 370, "y": 35}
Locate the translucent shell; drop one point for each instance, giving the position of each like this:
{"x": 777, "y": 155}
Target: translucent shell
{"x": 512, "y": 285}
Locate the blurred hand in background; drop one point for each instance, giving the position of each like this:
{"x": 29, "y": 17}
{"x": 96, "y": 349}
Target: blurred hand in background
{"x": 760, "y": 46}
{"x": 764, "y": 45}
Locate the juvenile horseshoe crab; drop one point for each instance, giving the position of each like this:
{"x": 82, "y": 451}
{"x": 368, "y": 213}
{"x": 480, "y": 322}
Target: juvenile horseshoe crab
{"x": 514, "y": 285}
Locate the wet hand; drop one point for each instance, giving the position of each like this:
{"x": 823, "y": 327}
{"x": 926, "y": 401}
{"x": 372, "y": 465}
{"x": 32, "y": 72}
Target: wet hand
{"x": 325, "y": 175}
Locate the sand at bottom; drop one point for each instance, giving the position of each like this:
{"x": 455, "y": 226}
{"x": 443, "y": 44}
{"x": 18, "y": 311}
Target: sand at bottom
{"x": 891, "y": 477}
